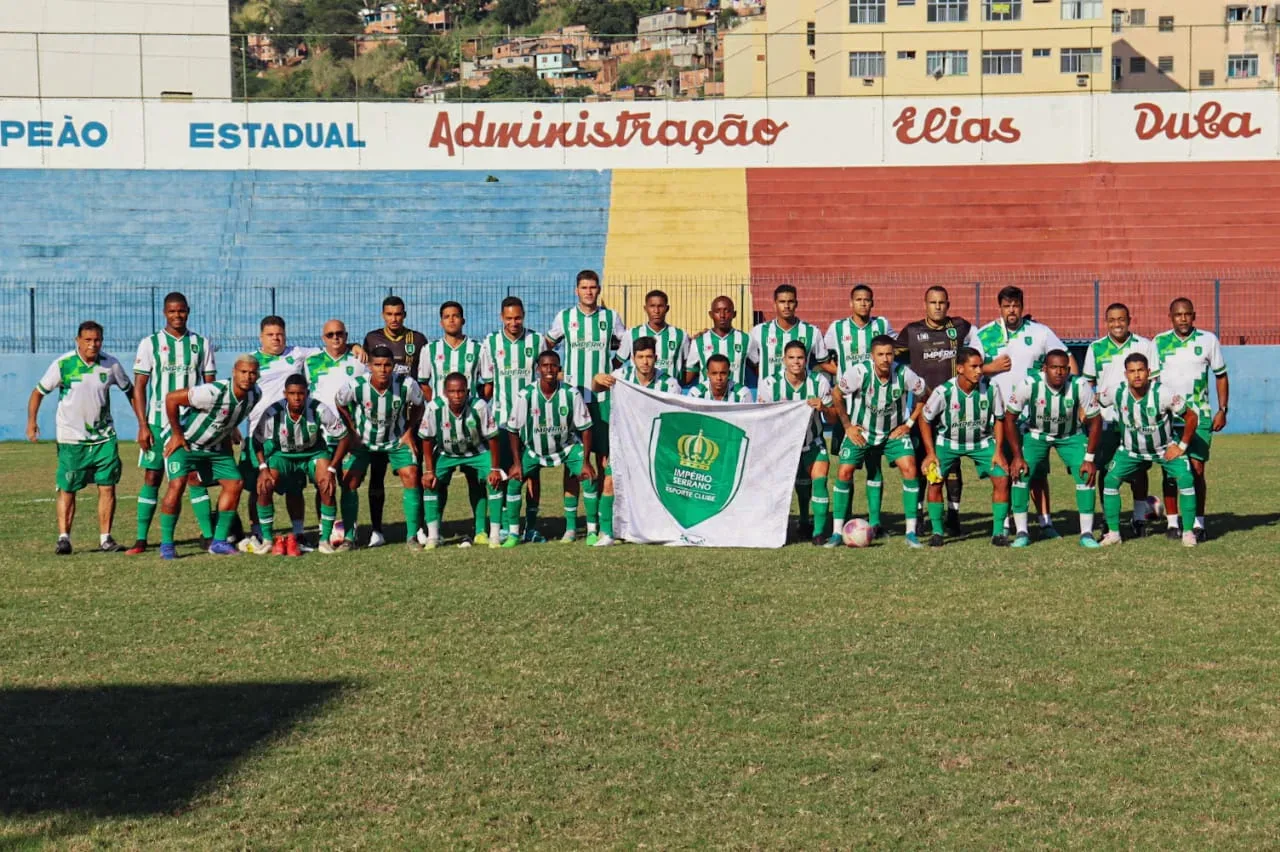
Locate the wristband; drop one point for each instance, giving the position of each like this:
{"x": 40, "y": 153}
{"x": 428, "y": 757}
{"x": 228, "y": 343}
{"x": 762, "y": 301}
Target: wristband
{"x": 909, "y": 422}
{"x": 1088, "y": 457}
{"x": 262, "y": 465}
{"x": 1182, "y": 445}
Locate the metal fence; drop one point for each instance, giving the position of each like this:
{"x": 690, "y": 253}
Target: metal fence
{"x": 41, "y": 316}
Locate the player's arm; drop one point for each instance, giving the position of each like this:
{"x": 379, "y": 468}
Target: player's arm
{"x": 582, "y": 423}
{"x": 260, "y": 437}
{"x": 33, "y": 411}
{"x": 496, "y": 473}
{"x": 1088, "y": 469}
{"x": 1224, "y": 392}
{"x": 603, "y": 381}
{"x": 428, "y": 462}
{"x": 1008, "y": 424}
{"x": 142, "y": 366}
{"x": 173, "y": 403}
{"x": 999, "y": 433}
{"x": 932, "y": 408}
{"x": 1191, "y": 420}
{"x": 340, "y": 451}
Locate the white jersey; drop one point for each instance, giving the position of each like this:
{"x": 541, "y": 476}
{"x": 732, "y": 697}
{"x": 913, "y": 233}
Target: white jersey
{"x": 172, "y": 364}
{"x": 327, "y": 375}
{"x": 674, "y": 351}
{"x": 591, "y": 341}
{"x": 84, "y": 396}
{"x": 509, "y": 366}
{"x": 816, "y": 385}
{"x": 304, "y": 433}
{"x": 1185, "y": 364}
{"x": 769, "y": 341}
{"x": 850, "y": 343}
{"x": 1026, "y": 346}
{"x": 273, "y": 372}
{"x": 460, "y": 435}
{"x": 215, "y": 413}
{"x": 733, "y": 346}
{"x": 440, "y": 359}
{"x": 733, "y": 393}
{"x": 1104, "y": 366}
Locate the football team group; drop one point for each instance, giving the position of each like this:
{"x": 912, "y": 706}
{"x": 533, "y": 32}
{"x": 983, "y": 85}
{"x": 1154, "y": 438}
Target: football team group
{"x": 498, "y": 410}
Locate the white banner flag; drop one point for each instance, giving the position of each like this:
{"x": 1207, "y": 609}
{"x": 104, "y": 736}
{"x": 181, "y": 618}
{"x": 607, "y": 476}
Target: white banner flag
{"x": 695, "y": 472}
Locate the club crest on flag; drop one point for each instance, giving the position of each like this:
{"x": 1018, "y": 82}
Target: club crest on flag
{"x": 696, "y": 464}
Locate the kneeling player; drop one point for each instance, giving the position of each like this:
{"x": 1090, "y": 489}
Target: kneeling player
{"x": 1054, "y": 406}
{"x": 717, "y": 384}
{"x": 550, "y": 427}
{"x": 291, "y": 449}
{"x": 1146, "y": 413}
{"x": 968, "y": 422}
{"x": 797, "y": 381}
{"x": 877, "y": 426}
{"x": 458, "y": 433}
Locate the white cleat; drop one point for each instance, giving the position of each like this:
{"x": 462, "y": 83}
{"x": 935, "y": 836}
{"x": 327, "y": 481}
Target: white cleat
{"x": 466, "y": 542}
{"x": 326, "y": 548}
{"x": 422, "y": 537}
{"x": 376, "y": 539}
{"x": 1111, "y": 539}
{"x": 339, "y": 534}
{"x": 605, "y": 541}
{"x": 432, "y": 544}
{"x": 254, "y": 545}
{"x": 569, "y": 535}
{"x": 1189, "y": 539}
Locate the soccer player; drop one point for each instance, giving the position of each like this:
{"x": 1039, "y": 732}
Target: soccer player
{"x": 797, "y": 381}
{"x": 1146, "y": 413}
{"x": 551, "y": 427}
{"x": 382, "y": 410}
{"x": 458, "y": 433}
{"x": 877, "y": 403}
{"x": 453, "y": 353}
{"x": 1187, "y": 356}
{"x": 717, "y": 386}
{"x": 1104, "y": 368}
{"x": 591, "y": 334}
{"x": 179, "y": 359}
{"x": 327, "y": 372}
{"x": 406, "y": 347}
{"x": 722, "y": 339}
{"x": 202, "y": 421}
{"x": 641, "y": 370}
{"x": 674, "y": 347}
{"x": 849, "y": 339}
{"x": 290, "y": 445}
{"x": 962, "y": 420}
{"x": 85, "y": 433}
{"x": 769, "y": 339}
{"x": 508, "y": 361}
{"x": 1025, "y": 343}
{"x": 930, "y": 345}
{"x": 1053, "y": 405}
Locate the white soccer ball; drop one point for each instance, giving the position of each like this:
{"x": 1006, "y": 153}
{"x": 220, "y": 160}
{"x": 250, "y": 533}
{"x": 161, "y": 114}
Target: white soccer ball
{"x": 856, "y": 533}
{"x": 1155, "y": 508}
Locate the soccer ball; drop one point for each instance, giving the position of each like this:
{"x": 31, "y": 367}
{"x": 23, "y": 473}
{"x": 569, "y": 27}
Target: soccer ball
{"x": 1150, "y": 509}
{"x": 856, "y": 533}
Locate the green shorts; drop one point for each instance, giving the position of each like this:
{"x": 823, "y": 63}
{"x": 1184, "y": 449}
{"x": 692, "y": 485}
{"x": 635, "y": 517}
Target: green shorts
{"x": 397, "y": 457}
{"x": 813, "y": 453}
{"x": 1036, "y": 450}
{"x": 1125, "y": 466}
{"x": 80, "y": 464}
{"x": 871, "y": 455}
{"x": 210, "y": 465}
{"x": 1107, "y": 445}
{"x": 949, "y": 460}
{"x": 572, "y": 462}
{"x": 153, "y": 459}
{"x": 295, "y": 469}
{"x": 599, "y": 431}
{"x": 1201, "y": 440}
{"x": 477, "y": 465}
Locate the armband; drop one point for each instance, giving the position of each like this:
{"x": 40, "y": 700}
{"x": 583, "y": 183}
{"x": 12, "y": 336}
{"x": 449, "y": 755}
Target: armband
{"x": 262, "y": 465}
{"x": 1182, "y": 445}
{"x": 1088, "y": 457}
{"x": 909, "y": 422}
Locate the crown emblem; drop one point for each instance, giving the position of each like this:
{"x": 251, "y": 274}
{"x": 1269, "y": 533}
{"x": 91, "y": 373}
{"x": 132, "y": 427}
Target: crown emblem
{"x": 697, "y": 451}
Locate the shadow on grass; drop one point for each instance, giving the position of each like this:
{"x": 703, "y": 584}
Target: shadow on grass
{"x": 1229, "y": 522}
{"x": 138, "y": 750}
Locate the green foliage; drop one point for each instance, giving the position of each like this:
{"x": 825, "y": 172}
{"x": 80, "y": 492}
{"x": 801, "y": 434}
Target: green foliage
{"x": 645, "y": 70}
{"x": 577, "y": 93}
{"x": 329, "y": 17}
{"x": 516, "y": 13}
{"x": 506, "y": 84}
{"x": 607, "y": 19}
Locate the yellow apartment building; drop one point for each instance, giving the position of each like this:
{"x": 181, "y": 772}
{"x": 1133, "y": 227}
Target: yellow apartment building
{"x": 1180, "y": 45}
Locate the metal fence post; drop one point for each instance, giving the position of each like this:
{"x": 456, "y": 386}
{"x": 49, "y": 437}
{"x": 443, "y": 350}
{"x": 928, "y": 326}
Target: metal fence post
{"x": 273, "y": 301}
{"x": 977, "y": 304}
{"x": 1097, "y": 308}
{"x": 31, "y": 298}
{"x": 1217, "y": 304}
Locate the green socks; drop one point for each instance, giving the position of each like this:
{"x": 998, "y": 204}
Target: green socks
{"x": 350, "y": 501}
{"x": 225, "y": 519}
{"x": 479, "y": 506}
{"x": 571, "y": 513}
{"x": 327, "y": 515}
{"x": 168, "y": 524}
{"x": 875, "y": 495}
{"x": 840, "y": 500}
{"x": 910, "y": 503}
{"x": 606, "y": 514}
{"x": 412, "y": 501}
{"x": 591, "y": 506}
{"x": 512, "y": 516}
{"x": 999, "y": 511}
{"x": 935, "y": 517}
{"x": 267, "y": 521}
{"x": 203, "y": 509}
{"x": 821, "y": 504}
{"x": 494, "y": 497}
{"x": 147, "y": 500}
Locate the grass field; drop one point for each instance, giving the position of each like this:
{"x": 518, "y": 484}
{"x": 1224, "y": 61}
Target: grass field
{"x": 556, "y": 696}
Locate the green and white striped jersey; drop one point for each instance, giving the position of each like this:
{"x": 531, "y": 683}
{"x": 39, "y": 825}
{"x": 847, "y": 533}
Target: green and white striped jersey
{"x": 460, "y": 435}
{"x": 172, "y": 364}
{"x": 1053, "y": 414}
{"x": 878, "y": 406}
{"x": 768, "y": 340}
{"x": 549, "y": 426}
{"x": 1146, "y": 422}
{"x": 273, "y": 372}
{"x": 327, "y": 375}
{"x": 673, "y": 351}
{"x": 380, "y": 418}
{"x": 733, "y": 393}
{"x": 1185, "y": 364}
{"x": 510, "y": 366}
{"x": 440, "y": 359}
{"x": 1104, "y": 365}
{"x": 215, "y": 413}
{"x": 627, "y": 373}
{"x": 851, "y": 343}
{"x": 1026, "y": 347}
{"x": 733, "y": 346}
{"x": 778, "y": 388}
{"x": 84, "y": 396}
{"x": 304, "y": 433}
{"x": 963, "y": 421}
{"x": 590, "y": 341}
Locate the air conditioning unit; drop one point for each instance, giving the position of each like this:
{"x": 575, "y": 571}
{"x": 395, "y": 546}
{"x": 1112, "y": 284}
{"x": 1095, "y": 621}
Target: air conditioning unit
{"x": 1082, "y": 81}
{"x": 868, "y": 81}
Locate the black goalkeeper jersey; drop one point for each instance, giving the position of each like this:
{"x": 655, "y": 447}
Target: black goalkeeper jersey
{"x": 931, "y": 352}
{"x": 406, "y": 347}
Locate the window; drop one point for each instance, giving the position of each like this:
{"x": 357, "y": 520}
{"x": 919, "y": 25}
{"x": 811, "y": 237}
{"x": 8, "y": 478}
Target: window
{"x": 810, "y": 34}
{"x": 1081, "y": 60}
{"x": 1041, "y": 52}
{"x": 906, "y": 2}
{"x": 1138, "y": 17}
{"x": 1165, "y": 64}
{"x": 945, "y": 11}
{"x": 1002, "y": 10}
{"x": 1259, "y": 15}
{"x": 1078, "y": 10}
{"x": 1000, "y": 62}
{"x": 1166, "y": 23}
{"x": 1117, "y": 68}
{"x": 1117, "y": 21}
{"x": 906, "y": 54}
{"x": 866, "y": 63}
{"x": 1137, "y": 65}
{"x": 1236, "y": 14}
{"x": 1241, "y": 65}
{"x": 1206, "y": 78}
{"x": 810, "y": 84}
{"x": 949, "y": 63}
{"x": 866, "y": 11}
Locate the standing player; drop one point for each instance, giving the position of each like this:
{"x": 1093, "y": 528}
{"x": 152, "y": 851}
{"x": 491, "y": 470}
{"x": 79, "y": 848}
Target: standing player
{"x": 508, "y": 359}
{"x": 453, "y": 353}
{"x": 967, "y": 421}
{"x": 1150, "y": 434}
{"x": 797, "y": 381}
{"x": 641, "y": 370}
{"x": 877, "y": 403}
{"x": 382, "y": 410}
{"x": 769, "y": 339}
{"x": 551, "y": 427}
{"x": 1187, "y": 356}
{"x": 930, "y": 345}
{"x": 849, "y": 339}
{"x": 723, "y": 339}
{"x": 1104, "y": 368}
{"x": 290, "y": 445}
{"x": 674, "y": 347}
{"x": 406, "y": 347}
{"x": 458, "y": 433}
{"x": 86, "y": 435}
{"x": 202, "y": 422}
{"x": 174, "y": 358}
{"x": 1053, "y": 405}
{"x": 591, "y": 334}
{"x": 327, "y": 372}
{"x": 717, "y": 386}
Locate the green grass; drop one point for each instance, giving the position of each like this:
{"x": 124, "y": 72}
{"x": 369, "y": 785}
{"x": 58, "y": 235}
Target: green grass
{"x": 555, "y": 696}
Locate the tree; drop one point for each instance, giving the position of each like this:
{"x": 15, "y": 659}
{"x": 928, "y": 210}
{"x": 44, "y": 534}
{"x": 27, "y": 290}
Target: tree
{"x": 516, "y": 13}
{"x": 337, "y": 18}
{"x": 436, "y": 56}
{"x": 577, "y": 93}
{"x": 506, "y": 84}
{"x": 607, "y": 20}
